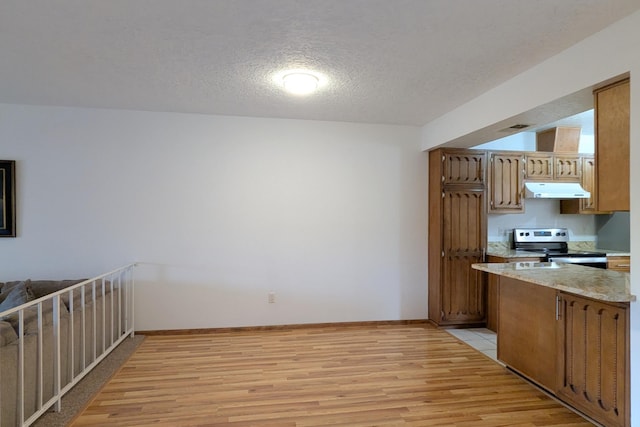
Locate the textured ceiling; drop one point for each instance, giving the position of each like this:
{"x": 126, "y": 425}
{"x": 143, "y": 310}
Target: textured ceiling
{"x": 387, "y": 61}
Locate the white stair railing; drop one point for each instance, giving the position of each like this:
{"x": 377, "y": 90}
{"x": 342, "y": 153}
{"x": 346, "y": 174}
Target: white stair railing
{"x": 96, "y": 319}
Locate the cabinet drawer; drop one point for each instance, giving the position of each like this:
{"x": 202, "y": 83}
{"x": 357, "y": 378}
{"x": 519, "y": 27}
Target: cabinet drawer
{"x": 619, "y": 263}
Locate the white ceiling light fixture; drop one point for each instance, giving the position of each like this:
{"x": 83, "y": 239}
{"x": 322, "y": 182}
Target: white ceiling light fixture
{"x": 299, "y": 82}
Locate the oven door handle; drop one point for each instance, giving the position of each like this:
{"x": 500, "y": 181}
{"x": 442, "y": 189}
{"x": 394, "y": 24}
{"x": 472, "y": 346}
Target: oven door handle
{"x": 578, "y": 260}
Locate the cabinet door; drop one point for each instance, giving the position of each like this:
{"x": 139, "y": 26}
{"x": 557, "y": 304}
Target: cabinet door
{"x": 588, "y": 182}
{"x": 462, "y": 296}
{"x": 567, "y": 168}
{"x": 506, "y": 176}
{"x": 593, "y": 359}
{"x": 464, "y": 167}
{"x": 493, "y": 288}
{"x": 612, "y": 106}
{"x": 527, "y": 330}
{"x": 539, "y": 167}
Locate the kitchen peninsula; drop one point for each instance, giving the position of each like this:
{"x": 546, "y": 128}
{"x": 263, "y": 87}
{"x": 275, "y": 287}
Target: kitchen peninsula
{"x": 565, "y": 327}
{"x": 596, "y": 283}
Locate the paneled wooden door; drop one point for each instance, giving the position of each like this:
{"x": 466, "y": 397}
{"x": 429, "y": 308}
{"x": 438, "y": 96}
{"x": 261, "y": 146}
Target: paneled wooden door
{"x": 612, "y": 120}
{"x": 593, "y": 359}
{"x": 589, "y": 184}
{"x": 463, "y": 296}
{"x": 506, "y": 177}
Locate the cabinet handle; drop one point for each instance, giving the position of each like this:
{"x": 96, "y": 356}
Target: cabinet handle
{"x": 623, "y": 265}
{"x": 558, "y": 307}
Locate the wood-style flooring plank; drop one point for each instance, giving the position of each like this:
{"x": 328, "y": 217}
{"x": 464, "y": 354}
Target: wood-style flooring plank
{"x": 384, "y": 375}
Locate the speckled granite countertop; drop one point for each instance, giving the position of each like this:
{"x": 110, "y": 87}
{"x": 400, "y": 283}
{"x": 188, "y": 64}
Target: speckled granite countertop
{"x": 504, "y": 252}
{"x": 596, "y": 283}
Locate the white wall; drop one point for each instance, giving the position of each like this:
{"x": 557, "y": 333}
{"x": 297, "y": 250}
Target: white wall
{"x": 221, "y": 211}
{"x": 609, "y": 53}
{"x": 526, "y": 141}
{"x": 523, "y": 141}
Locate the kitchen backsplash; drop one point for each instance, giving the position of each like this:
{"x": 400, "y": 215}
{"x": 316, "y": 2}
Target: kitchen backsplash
{"x": 542, "y": 213}
{"x": 576, "y": 246}
{"x": 587, "y": 232}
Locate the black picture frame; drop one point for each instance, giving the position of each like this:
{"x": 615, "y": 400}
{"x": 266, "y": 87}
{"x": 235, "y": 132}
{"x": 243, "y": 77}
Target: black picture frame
{"x": 7, "y": 198}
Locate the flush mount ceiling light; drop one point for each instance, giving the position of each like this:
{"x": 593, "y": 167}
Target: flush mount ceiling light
{"x": 299, "y": 82}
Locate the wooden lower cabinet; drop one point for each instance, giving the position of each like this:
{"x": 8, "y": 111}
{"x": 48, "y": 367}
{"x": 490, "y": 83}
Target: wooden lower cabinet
{"x": 619, "y": 263}
{"x": 574, "y": 347}
{"x": 593, "y": 358}
{"x": 492, "y": 289}
{"x": 527, "y": 328}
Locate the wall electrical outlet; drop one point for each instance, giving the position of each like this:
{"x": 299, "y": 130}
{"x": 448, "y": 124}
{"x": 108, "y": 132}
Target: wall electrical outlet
{"x": 272, "y": 297}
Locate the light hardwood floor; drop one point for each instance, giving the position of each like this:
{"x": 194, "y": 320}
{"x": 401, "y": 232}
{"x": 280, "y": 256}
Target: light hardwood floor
{"x": 391, "y": 375}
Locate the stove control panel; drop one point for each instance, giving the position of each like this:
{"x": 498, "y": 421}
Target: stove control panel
{"x": 540, "y": 235}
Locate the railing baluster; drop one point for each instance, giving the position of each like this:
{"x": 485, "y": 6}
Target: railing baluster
{"x": 104, "y": 318}
{"x": 57, "y": 362}
{"x": 72, "y": 338}
{"x": 0, "y": 383}
{"x": 39, "y": 359}
{"x": 129, "y": 303}
{"x": 83, "y": 338}
{"x": 119, "y": 304}
{"x": 112, "y": 309}
{"x": 21, "y": 367}
{"x": 94, "y": 316}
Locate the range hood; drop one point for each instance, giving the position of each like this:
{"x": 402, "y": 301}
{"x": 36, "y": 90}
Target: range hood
{"x": 555, "y": 190}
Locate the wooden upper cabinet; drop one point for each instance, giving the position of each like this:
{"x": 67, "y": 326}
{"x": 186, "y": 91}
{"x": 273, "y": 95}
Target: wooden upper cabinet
{"x": 588, "y": 181}
{"x": 506, "y": 176}
{"x": 612, "y": 106}
{"x": 567, "y": 168}
{"x": 464, "y": 167}
{"x": 539, "y": 166}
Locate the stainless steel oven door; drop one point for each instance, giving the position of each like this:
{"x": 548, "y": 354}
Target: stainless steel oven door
{"x": 598, "y": 262}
